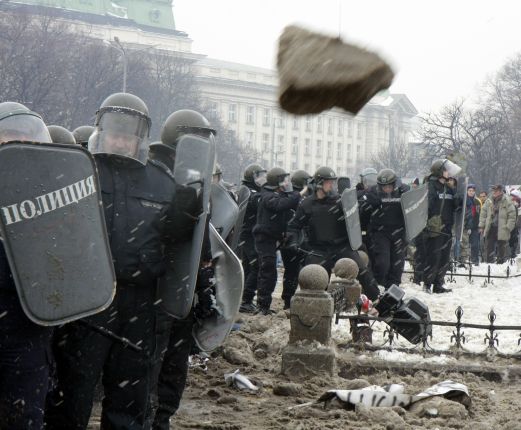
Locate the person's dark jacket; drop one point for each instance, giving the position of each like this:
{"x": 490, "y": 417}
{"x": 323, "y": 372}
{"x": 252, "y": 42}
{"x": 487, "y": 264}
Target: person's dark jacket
{"x": 323, "y": 220}
{"x": 274, "y": 212}
{"x": 141, "y": 214}
{"x": 385, "y": 209}
{"x": 250, "y": 217}
{"x": 443, "y": 201}
{"x": 472, "y": 211}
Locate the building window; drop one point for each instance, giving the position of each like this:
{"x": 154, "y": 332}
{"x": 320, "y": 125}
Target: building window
{"x": 280, "y": 120}
{"x": 329, "y": 149}
{"x": 266, "y": 117}
{"x": 319, "y": 148}
{"x": 249, "y": 139}
{"x": 250, "y": 114}
{"x": 280, "y": 143}
{"x": 358, "y": 130}
{"x": 307, "y": 147}
{"x": 308, "y": 123}
{"x": 340, "y": 127}
{"x": 319, "y": 124}
{"x": 339, "y": 151}
{"x": 213, "y": 108}
{"x": 232, "y": 113}
{"x": 294, "y": 146}
{"x": 306, "y": 167}
{"x": 330, "y": 125}
{"x": 295, "y": 123}
{"x": 358, "y": 149}
{"x": 265, "y": 142}
{"x": 349, "y": 128}
{"x": 293, "y": 165}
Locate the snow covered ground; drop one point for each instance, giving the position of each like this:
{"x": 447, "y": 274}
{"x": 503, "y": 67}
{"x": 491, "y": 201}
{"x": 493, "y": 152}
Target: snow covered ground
{"x": 476, "y": 299}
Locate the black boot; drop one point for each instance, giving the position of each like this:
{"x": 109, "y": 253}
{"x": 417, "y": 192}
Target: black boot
{"x": 427, "y": 288}
{"x": 247, "y": 308}
{"x": 439, "y": 289}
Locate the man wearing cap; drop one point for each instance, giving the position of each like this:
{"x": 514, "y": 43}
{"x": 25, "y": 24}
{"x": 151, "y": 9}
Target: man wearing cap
{"x": 496, "y": 221}
{"x": 470, "y": 238}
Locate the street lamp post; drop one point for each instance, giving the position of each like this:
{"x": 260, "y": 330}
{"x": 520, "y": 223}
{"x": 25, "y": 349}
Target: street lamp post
{"x": 116, "y": 44}
{"x": 125, "y": 62}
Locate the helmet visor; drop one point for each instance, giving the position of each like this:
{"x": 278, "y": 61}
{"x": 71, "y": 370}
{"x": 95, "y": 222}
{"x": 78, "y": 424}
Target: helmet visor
{"x": 286, "y": 184}
{"x": 452, "y": 168}
{"x": 24, "y": 128}
{"x": 122, "y": 134}
{"x": 260, "y": 178}
{"x": 369, "y": 180}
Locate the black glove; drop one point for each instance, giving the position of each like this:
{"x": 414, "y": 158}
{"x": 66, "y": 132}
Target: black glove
{"x": 206, "y": 304}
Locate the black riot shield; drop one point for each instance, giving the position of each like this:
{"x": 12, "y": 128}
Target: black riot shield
{"x": 53, "y": 231}
{"x": 343, "y": 183}
{"x": 229, "y": 280}
{"x": 243, "y": 196}
{"x": 459, "y": 216}
{"x": 194, "y": 162}
{"x": 352, "y": 218}
{"x": 415, "y": 207}
{"x": 224, "y": 210}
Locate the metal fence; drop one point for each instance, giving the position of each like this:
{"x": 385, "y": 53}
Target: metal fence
{"x": 491, "y": 335}
{"x": 468, "y": 273}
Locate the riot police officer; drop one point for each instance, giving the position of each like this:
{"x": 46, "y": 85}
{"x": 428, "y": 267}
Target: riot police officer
{"x": 292, "y": 258}
{"x": 60, "y": 134}
{"x": 275, "y": 210}
{"x": 321, "y": 215}
{"x": 139, "y": 204}
{"x": 368, "y": 178}
{"x": 254, "y": 178}
{"x": 434, "y": 243}
{"x": 82, "y": 133}
{"x": 174, "y": 336}
{"x": 24, "y": 346}
{"x": 387, "y": 228}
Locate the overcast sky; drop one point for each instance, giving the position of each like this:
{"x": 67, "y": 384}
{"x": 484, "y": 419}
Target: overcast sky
{"x": 441, "y": 50}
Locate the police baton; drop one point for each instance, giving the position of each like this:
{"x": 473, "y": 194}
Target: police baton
{"x": 314, "y": 254}
{"x": 111, "y": 335}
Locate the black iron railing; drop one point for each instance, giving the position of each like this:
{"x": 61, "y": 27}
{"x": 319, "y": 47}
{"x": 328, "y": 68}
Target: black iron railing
{"x": 457, "y": 338}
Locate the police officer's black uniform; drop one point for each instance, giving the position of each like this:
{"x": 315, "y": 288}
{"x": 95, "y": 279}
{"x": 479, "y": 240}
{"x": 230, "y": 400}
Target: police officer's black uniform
{"x": 24, "y": 359}
{"x": 141, "y": 215}
{"x": 327, "y": 237}
{"x": 436, "y": 246}
{"x": 387, "y": 235}
{"x": 250, "y": 260}
{"x": 273, "y": 215}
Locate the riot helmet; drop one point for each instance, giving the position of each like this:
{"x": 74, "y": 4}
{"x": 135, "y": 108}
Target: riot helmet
{"x": 60, "y": 134}
{"x": 122, "y": 128}
{"x": 300, "y": 179}
{"x": 17, "y": 122}
{"x": 386, "y": 177}
{"x": 256, "y": 174}
{"x": 441, "y": 166}
{"x": 323, "y": 174}
{"x": 82, "y": 134}
{"x": 184, "y": 121}
{"x": 368, "y": 177}
{"x": 277, "y": 177}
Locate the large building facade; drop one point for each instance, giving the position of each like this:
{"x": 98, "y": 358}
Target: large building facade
{"x": 245, "y": 97}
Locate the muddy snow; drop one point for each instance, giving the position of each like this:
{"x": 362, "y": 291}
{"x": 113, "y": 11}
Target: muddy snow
{"x": 255, "y": 348}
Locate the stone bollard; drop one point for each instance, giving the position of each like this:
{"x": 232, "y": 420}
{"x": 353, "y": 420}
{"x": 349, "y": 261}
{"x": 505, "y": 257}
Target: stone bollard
{"x": 309, "y": 350}
{"x": 344, "y": 277}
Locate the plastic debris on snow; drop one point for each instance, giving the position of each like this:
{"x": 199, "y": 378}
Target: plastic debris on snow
{"x": 239, "y": 381}
{"x": 391, "y": 395}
